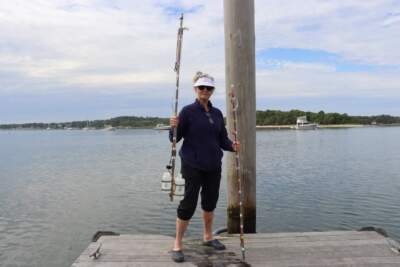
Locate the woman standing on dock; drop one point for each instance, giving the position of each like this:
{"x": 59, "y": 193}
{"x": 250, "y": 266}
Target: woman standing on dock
{"x": 202, "y": 128}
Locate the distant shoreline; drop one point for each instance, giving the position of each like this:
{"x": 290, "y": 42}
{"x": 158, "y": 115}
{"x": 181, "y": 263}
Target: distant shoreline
{"x": 258, "y": 127}
{"x": 268, "y": 119}
{"x": 324, "y": 126}
{"x": 328, "y": 126}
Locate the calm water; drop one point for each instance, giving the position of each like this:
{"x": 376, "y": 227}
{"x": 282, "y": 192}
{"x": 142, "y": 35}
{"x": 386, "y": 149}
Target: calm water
{"x": 57, "y": 188}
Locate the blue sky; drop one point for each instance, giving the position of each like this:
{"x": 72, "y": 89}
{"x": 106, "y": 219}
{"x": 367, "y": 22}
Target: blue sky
{"x": 92, "y": 59}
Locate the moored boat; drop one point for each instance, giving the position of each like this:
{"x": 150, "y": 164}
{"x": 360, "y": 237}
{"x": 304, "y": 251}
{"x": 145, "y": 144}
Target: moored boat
{"x": 162, "y": 126}
{"x": 303, "y": 124}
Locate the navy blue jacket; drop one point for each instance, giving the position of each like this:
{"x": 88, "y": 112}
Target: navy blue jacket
{"x": 204, "y": 135}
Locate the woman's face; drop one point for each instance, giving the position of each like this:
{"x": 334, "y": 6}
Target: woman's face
{"x": 204, "y": 92}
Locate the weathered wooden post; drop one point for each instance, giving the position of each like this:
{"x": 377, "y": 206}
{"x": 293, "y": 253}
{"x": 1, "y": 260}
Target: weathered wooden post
{"x": 240, "y": 72}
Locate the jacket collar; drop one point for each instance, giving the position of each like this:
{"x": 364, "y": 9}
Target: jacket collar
{"x": 200, "y": 106}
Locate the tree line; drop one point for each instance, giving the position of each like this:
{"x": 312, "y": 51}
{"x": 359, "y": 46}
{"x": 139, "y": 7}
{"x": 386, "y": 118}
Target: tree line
{"x": 117, "y": 122}
{"x": 267, "y": 117}
{"x": 277, "y": 117}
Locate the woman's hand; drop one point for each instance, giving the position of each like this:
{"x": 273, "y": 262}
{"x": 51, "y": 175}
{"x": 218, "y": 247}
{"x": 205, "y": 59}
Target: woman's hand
{"x": 236, "y": 146}
{"x": 174, "y": 121}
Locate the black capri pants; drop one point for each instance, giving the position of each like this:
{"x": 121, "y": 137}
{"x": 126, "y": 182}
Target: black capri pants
{"x": 208, "y": 181}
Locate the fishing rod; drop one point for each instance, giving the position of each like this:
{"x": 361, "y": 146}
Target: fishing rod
{"x": 171, "y": 165}
{"x": 235, "y": 105}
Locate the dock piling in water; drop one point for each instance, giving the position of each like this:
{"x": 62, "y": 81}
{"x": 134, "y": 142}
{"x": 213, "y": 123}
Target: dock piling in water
{"x": 240, "y": 73}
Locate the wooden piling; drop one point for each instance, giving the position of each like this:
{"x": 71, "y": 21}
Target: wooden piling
{"x": 240, "y": 72}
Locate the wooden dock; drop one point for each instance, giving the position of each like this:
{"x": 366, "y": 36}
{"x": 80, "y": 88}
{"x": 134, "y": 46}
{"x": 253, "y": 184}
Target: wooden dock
{"x": 336, "y": 248}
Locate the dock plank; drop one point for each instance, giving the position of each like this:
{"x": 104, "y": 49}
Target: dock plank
{"x": 336, "y": 248}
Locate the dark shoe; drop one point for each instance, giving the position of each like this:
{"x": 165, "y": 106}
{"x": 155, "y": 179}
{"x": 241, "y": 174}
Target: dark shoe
{"x": 177, "y": 256}
{"x": 214, "y": 244}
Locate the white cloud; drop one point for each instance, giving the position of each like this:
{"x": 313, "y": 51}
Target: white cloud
{"x": 391, "y": 20}
{"x": 120, "y": 78}
{"x": 353, "y": 29}
{"x": 310, "y": 80}
{"x": 82, "y": 41}
{"x": 130, "y": 45}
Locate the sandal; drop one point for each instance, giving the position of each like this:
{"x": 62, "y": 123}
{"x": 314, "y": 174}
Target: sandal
{"x": 214, "y": 244}
{"x": 177, "y": 256}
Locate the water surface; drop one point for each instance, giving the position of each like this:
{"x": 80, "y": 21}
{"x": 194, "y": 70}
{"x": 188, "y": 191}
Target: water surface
{"x": 57, "y": 188}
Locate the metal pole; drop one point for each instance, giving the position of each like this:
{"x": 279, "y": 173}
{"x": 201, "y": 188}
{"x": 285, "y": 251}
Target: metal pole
{"x": 240, "y": 73}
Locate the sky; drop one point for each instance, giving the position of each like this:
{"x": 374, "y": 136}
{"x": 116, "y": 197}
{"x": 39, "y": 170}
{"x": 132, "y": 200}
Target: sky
{"x": 64, "y": 60}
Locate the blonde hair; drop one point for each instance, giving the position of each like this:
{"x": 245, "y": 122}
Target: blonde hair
{"x": 200, "y": 74}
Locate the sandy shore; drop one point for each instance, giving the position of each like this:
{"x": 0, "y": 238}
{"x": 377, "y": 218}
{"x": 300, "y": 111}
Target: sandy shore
{"x": 342, "y": 126}
{"x": 273, "y": 126}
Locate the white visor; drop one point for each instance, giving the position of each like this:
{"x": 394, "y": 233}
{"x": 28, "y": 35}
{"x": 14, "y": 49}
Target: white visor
{"x": 205, "y": 81}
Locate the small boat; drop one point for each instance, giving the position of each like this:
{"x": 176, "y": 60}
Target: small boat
{"x": 303, "y": 124}
{"x": 162, "y": 126}
{"x": 87, "y": 127}
{"x": 108, "y": 128}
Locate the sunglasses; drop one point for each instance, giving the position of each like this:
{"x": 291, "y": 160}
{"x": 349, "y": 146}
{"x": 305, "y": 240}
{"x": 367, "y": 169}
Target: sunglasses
{"x": 202, "y": 87}
{"x": 210, "y": 118}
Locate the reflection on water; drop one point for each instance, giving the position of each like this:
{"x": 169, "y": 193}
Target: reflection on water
{"x": 57, "y": 188}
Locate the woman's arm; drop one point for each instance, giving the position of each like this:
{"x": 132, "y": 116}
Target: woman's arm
{"x": 225, "y": 142}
